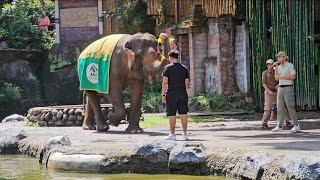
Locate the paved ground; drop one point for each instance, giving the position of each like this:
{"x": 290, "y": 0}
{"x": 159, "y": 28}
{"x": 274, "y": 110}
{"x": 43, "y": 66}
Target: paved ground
{"x": 230, "y": 134}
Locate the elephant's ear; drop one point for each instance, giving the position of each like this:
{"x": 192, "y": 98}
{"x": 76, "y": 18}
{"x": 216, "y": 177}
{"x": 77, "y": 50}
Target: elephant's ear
{"x": 135, "y": 45}
{"x": 130, "y": 55}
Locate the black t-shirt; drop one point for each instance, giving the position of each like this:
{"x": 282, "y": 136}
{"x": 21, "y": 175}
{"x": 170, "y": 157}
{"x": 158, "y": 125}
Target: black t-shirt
{"x": 177, "y": 74}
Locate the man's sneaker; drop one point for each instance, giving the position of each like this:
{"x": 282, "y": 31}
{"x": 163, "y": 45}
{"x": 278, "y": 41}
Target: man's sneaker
{"x": 277, "y": 129}
{"x": 296, "y": 128}
{"x": 264, "y": 126}
{"x": 171, "y": 137}
{"x": 185, "y": 137}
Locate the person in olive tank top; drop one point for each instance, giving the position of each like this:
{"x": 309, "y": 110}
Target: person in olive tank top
{"x": 174, "y": 91}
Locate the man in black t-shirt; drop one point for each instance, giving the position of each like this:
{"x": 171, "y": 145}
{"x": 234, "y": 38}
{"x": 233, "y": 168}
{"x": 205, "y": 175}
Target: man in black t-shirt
{"x": 175, "y": 82}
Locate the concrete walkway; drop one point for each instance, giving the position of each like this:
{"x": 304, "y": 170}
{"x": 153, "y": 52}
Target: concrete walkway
{"x": 228, "y": 136}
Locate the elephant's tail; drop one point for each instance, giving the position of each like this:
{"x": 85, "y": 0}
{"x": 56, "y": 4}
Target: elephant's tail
{"x": 84, "y": 103}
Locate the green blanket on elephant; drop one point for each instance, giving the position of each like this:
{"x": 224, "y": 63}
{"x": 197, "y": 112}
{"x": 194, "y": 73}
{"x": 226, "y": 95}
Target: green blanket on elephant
{"x": 94, "y": 64}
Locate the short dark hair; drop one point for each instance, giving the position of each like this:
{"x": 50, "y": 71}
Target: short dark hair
{"x": 174, "y": 54}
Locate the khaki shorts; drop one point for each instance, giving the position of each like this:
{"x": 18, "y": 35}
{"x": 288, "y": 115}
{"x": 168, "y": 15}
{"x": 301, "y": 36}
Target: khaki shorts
{"x": 269, "y": 100}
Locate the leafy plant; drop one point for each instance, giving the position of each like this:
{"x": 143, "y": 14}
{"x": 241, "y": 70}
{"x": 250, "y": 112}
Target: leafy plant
{"x": 11, "y": 99}
{"x": 18, "y": 24}
{"x": 216, "y": 102}
{"x": 132, "y": 15}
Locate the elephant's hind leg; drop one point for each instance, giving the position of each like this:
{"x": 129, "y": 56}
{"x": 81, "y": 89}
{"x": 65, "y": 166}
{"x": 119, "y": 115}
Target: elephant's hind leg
{"x": 94, "y": 102}
{"x": 88, "y": 122}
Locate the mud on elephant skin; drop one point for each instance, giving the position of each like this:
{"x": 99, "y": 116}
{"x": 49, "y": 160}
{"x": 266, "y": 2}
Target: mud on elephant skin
{"x": 133, "y": 57}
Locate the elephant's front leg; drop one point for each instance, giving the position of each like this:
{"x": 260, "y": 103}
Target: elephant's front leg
{"x": 135, "y": 107}
{"x": 116, "y": 99}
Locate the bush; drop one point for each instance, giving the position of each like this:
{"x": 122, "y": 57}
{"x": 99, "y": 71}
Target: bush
{"x": 215, "y": 102}
{"x": 18, "y": 24}
{"x": 11, "y": 99}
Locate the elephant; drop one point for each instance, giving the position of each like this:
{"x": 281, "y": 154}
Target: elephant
{"x": 133, "y": 57}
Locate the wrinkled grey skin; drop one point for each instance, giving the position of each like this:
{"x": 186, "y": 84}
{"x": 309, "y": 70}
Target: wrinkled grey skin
{"x": 125, "y": 72}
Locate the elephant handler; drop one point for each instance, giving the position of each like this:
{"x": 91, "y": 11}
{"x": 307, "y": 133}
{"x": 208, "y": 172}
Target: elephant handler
{"x": 174, "y": 94}
{"x": 285, "y": 74}
{"x": 270, "y": 85}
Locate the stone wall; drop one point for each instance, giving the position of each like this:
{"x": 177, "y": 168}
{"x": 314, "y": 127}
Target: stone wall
{"x": 71, "y": 115}
{"x": 212, "y": 68}
{"x": 242, "y": 58}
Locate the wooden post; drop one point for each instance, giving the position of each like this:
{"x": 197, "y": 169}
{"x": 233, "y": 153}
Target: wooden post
{"x": 176, "y": 14}
{"x": 100, "y": 17}
{"x": 57, "y": 20}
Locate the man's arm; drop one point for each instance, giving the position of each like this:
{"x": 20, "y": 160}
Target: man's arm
{"x": 264, "y": 82}
{"x": 290, "y": 77}
{"x": 186, "y": 82}
{"x": 276, "y": 75}
{"x": 164, "y": 84}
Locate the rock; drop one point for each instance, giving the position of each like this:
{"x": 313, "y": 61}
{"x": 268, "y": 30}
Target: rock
{"x": 65, "y": 117}
{"x": 42, "y": 123}
{"x": 48, "y": 116}
{"x": 54, "y": 112}
{"x": 297, "y": 166}
{"x": 9, "y": 138}
{"x": 42, "y": 117}
{"x": 69, "y": 123}
{"x": 50, "y": 122}
{"x": 74, "y": 162}
{"x": 155, "y": 152}
{"x": 51, "y": 145}
{"x": 54, "y": 118}
{"x": 78, "y": 123}
{"x": 252, "y": 166}
{"x": 187, "y": 157}
{"x": 71, "y": 111}
{"x": 65, "y": 111}
{"x": 14, "y": 117}
{"x": 44, "y": 111}
{"x": 79, "y": 118}
{"x": 59, "y": 123}
{"x": 195, "y": 107}
{"x": 72, "y": 117}
{"x": 4, "y": 45}
{"x": 59, "y": 114}
{"x": 78, "y": 112}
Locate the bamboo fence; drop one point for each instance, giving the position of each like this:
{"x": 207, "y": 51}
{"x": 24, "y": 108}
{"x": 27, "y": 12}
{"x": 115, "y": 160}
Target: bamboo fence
{"x": 293, "y": 24}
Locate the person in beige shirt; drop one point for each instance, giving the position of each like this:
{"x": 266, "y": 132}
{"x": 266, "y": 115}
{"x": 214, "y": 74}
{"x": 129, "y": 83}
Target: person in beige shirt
{"x": 269, "y": 84}
{"x": 285, "y": 74}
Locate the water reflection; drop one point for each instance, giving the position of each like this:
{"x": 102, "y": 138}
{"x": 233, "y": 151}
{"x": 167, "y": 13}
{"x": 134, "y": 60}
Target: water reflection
{"x": 21, "y": 167}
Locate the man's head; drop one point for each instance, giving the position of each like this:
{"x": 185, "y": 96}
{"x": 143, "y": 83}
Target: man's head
{"x": 269, "y": 63}
{"x": 43, "y": 13}
{"x": 282, "y": 57}
{"x": 173, "y": 55}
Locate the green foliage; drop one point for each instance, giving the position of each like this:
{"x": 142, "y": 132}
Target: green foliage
{"x": 18, "y": 24}
{"x": 215, "y": 102}
{"x": 151, "y": 97}
{"x": 11, "y": 99}
{"x": 132, "y": 15}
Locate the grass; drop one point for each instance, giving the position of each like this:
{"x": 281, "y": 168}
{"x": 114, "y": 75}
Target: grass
{"x": 152, "y": 121}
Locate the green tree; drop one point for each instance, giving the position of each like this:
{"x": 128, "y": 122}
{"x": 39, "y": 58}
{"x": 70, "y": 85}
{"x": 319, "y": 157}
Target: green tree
{"x": 18, "y": 24}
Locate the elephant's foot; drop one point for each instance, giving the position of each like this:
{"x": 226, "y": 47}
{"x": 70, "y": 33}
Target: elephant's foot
{"x": 88, "y": 126}
{"x": 102, "y": 127}
{"x": 134, "y": 129}
{"x": 114, "y": 122}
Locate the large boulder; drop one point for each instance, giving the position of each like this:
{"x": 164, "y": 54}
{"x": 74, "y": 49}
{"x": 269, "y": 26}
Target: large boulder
{"x": 9, "y": 138}
{"x": 74, "y": 162}
{"x": 252, "y": 166}
{"x": 154, "y": 151}
{"x": 297, "y": 166}
{"x": 187, "y": 158}
{"x": 14, "y": 118}
{"x": 52, "y": 145}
